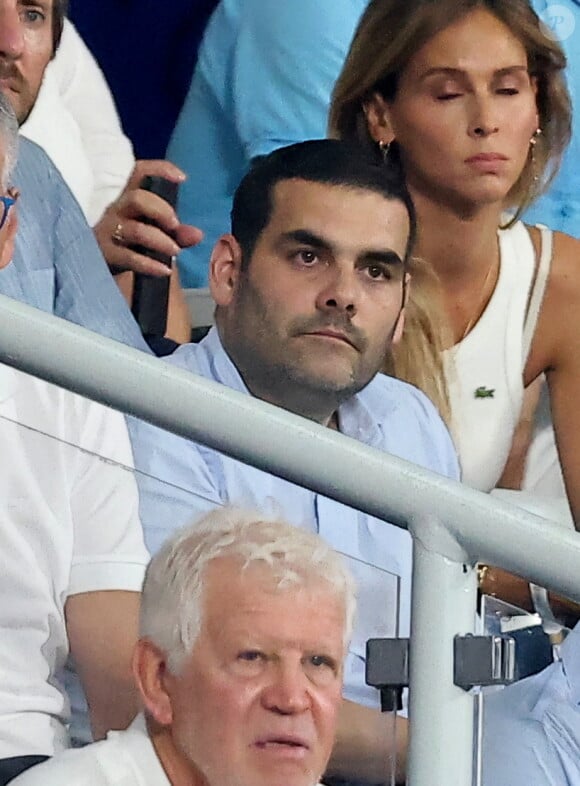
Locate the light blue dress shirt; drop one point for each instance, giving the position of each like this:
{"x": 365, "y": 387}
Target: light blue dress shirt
{"x": 57, "y": 264}
{"x": 263, "y": 79}
{"x": 532, "y": 728}
{"x": 560, "y": 207}
{"x": 180, "y": 479}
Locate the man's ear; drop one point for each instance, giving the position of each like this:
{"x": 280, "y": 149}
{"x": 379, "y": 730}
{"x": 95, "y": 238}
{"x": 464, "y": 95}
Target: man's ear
{"x": 151, "y": 676}
{"x": 8, "y": 237}
{"x": 224, "y": 269}
{"x": 400, "y": 323}
{"x": 377, "y": 113}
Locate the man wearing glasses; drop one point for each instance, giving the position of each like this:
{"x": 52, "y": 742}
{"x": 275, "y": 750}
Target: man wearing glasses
{"x": 72, "y": 559}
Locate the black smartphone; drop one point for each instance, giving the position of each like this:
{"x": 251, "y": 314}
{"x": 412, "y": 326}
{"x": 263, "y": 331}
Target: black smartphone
{"x": 150, "y": 293}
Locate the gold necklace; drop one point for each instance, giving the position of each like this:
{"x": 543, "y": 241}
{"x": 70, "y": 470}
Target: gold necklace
{"x": 476, "y": 311}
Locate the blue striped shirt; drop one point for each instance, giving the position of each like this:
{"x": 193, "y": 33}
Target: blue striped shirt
{"x": 57, "y": 264}
{"x": 532, "y": 728}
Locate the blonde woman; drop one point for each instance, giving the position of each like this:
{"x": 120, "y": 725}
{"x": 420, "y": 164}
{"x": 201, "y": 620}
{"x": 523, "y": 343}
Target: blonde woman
{"x": 468, "y": 96}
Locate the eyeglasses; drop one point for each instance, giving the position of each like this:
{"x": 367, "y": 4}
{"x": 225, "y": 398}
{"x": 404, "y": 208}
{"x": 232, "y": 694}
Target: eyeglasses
{"x": 6, "y": 203}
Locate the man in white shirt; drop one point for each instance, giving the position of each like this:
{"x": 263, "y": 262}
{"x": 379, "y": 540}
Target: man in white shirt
{"x": 244, "y": 628}
{"x": 73, "y": 556}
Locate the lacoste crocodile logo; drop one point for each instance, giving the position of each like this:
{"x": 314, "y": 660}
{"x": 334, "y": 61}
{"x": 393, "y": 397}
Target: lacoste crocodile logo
{"x": 483, "y": 392}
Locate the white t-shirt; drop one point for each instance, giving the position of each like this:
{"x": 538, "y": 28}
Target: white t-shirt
{"x": 125, "y": 758}
{"x": 69, "y": 524}
{"x": 75, "y": 121}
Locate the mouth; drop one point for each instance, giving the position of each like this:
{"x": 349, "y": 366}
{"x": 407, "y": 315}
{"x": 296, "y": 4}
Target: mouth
{"x": 486, "y": 158}
{"x": 332, "y": 335}
{"x": 9, "y": 82}
{"x": 287, "y": 745}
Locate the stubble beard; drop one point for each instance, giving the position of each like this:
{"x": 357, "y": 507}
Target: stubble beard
{"x": 285, "y": 379}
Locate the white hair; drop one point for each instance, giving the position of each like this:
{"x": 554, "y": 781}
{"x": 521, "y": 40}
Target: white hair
{"x": 9, "y": 140}
{"x": 171, "y": 606}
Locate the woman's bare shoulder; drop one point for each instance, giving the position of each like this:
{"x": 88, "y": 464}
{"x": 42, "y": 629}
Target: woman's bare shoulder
{"x": 565, "y": 269}
{"x": 559, "y": 321}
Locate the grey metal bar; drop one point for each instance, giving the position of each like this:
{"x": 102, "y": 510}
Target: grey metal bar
{"x": 452, "y": 525}
{"x": 386, "y": 487}
{"x": 443, "y": 605}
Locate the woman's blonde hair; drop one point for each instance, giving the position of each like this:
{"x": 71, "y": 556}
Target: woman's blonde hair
{"x": 390, "y": 32}
{"x": 418, "y": 357}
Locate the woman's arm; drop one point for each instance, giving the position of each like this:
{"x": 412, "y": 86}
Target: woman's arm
{"x": 556, "y": 352}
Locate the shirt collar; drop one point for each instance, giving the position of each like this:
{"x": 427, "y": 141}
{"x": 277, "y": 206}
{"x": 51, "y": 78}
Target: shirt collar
{"x": 354, "y": 416}
{"x": 224, "y": 370}
{"x": 355, "y": 419}
{"x": 138, "y": 743}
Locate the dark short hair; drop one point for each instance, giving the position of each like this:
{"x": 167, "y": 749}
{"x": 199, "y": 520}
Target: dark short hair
{"x": 327, "y": 161}
{"x": 59, "y": 9}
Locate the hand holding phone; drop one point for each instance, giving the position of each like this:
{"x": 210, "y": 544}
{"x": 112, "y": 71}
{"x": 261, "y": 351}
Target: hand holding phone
{"x": 151, "y": 293}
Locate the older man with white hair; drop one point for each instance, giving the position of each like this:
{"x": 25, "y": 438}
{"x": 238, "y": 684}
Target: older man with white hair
{"x": 245, "y": 623}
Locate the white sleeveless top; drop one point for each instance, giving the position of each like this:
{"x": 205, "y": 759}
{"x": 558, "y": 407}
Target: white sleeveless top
{"x": 485, "y": 370}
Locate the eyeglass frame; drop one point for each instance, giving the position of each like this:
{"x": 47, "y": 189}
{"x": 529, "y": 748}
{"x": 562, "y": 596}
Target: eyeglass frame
{"x": 7, "y": 203}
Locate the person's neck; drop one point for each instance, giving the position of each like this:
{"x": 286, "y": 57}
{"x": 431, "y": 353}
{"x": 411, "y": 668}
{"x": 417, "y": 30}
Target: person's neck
{"x": 178, "y": 770}
{"x": 462, "y": 248}
{"x": 319, "y": 412}
{"x": 458, "y": 245}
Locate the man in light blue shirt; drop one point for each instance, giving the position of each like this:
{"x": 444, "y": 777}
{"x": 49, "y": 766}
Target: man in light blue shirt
{"x": 560, "y": 207}
{"x": 57, "y": 264}
{"x": 310, "y": 290}
{"x": 263, "y": 79}
{"x": 532, "y": 728}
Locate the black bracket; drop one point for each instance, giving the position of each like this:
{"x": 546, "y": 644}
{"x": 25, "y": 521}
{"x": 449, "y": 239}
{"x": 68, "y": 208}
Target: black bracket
{"x": 387, "y": 668}
{"x": 483, "y": 660}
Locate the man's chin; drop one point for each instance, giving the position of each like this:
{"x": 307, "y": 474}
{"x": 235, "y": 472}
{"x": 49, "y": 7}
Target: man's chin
{"x": 335, "y": 373}
{"x": 337, "y": 384}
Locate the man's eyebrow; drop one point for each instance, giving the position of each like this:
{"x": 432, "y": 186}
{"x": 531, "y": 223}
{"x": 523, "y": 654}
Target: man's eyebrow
{"x": 380, "y": 256}
{"x": 307, "y": 238}
{"x": 46, "y": 5}
{"x": 386, "y": 257}
{"x": 457, "y": 72}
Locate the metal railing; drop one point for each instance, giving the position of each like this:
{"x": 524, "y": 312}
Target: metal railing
{"x": 452, "y": 526}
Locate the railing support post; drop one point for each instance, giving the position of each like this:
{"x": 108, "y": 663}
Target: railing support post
{"x": 441, "y": 714}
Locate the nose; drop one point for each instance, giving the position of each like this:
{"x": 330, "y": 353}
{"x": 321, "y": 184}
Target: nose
{"x": 339, "y": 292}
{"x": 288, "y": 691}
{"x": 483, "y": 122}
{"x": 11, "y": 34}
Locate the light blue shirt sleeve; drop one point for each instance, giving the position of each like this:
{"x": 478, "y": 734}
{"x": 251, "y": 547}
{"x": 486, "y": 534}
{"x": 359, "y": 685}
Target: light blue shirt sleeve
{"x": 176, "y": 485}
{"x": 57, "y": 264}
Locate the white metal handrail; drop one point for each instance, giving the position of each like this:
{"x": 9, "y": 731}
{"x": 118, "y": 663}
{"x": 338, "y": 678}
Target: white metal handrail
{"x": 452, "y": 526}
